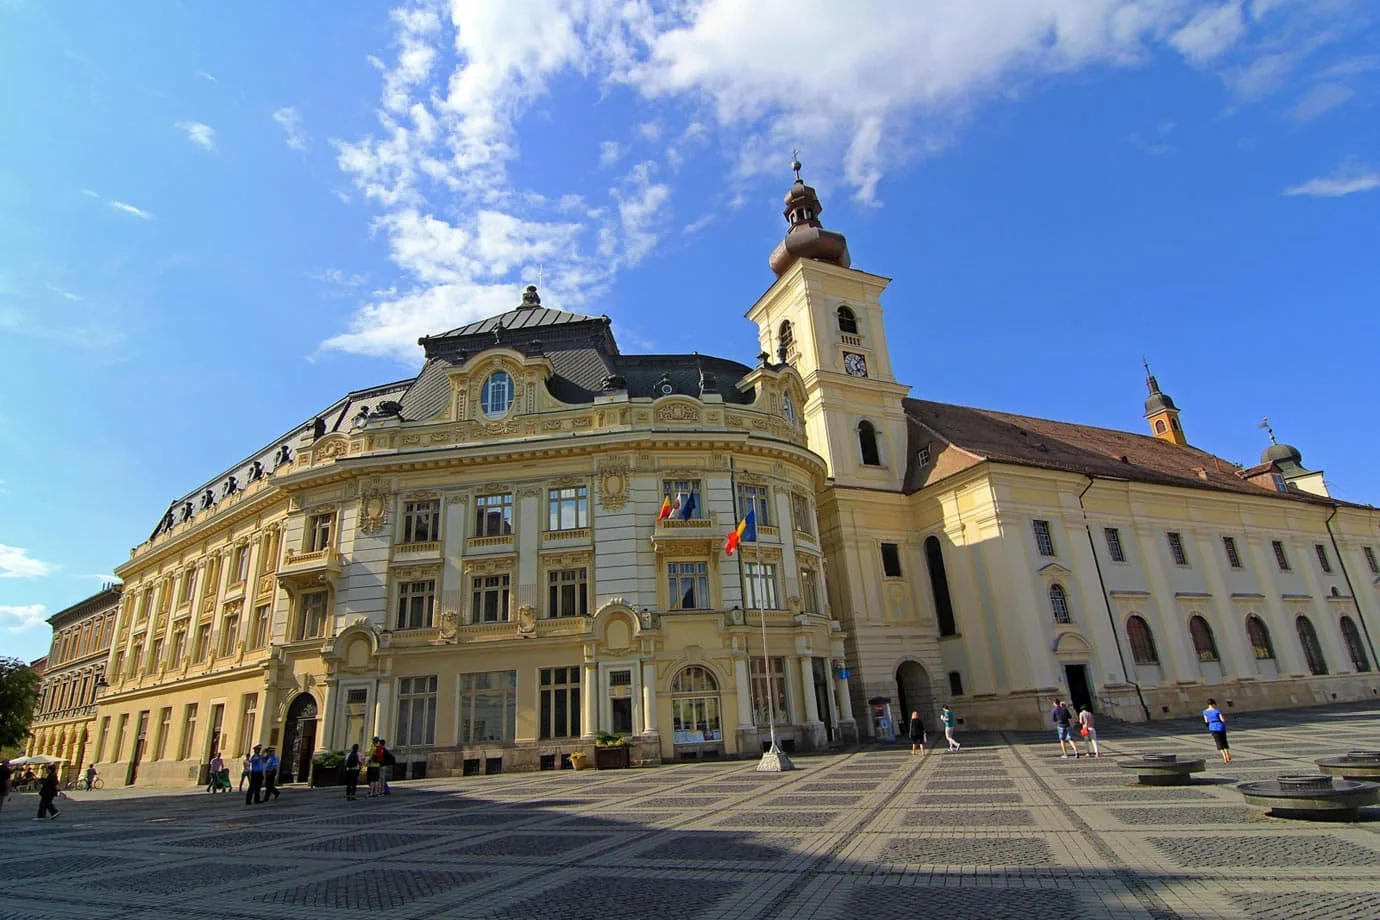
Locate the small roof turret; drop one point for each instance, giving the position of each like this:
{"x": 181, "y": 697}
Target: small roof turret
{"x": 807, "y": 238}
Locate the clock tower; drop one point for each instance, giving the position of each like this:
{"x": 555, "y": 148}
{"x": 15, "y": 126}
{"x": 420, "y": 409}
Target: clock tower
{"x": 824, "y": 318}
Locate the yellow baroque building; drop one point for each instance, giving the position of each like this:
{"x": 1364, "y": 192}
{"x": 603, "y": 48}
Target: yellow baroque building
{"x": 475, "y": 564}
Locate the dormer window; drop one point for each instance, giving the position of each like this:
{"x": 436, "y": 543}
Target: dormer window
{"x": 497, "y": 396}
{"x": 848, "y": 321}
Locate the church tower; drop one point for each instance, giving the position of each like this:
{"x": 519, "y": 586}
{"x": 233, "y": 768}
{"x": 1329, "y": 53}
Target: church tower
{"x": 824, "y": 318}
{"x": 1161, "y": 412}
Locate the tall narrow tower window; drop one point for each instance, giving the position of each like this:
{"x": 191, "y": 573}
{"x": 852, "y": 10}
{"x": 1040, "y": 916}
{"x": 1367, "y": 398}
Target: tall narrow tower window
{"x": 1312, "y": 651}
{"x": 848, "y": 322}
{"x": 786, "y": 336}
{"x": 867, "y": 442}
{"x": 939, "y": 587}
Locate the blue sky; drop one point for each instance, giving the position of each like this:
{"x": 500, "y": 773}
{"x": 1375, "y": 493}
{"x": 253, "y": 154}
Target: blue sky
{"x": 217, "y": 218}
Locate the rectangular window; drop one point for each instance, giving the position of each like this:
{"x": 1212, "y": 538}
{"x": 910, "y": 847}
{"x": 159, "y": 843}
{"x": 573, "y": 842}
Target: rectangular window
{"x": 696, "y": 719}
{"x": 258, "y": 627}
{"x": 687, "y": 585}
{"x": 891, "y": 560}
{"x": 760, "y": 580}
{"x": 684, "y": 491}
{"x": 560, "y": 702}
{"x": 1044, "y": 540}
{"x": 100, "y": 739}
{"x": 269, "y": 547}
{"x": 567, "y": 592}
{"x": 801, "y": 518}
{"x": 955, "y": 683}
{"x": 1233, "y": 555}
{"x": 1371, "y": 562}
{"x": 757, "y": 500}
{"x": 188, "y": 587}
{"x": 488, "y": 707}
{"x": 567, "y": 508}
{"x": 241, "y": 564}
{"x": 136, "y": 656}
{"x": 249, "y": 714}
{"x": 229, "y": 634}
{"x": 1176, "y": 548}
{"x": 120, "y": 736}
{"x": 311, "y": 620}
{"x": 493, "y": 515}
{"x": 160, "y": 744}
{"x": 422, "y": 521}
{"x": 809, "y": 592}
{"x": 319, "y": 531}
{"x": 179, "y": 648}
{"x": 1323, "y": 561}
{"x": 1280, "y": 556}
{"x": 1114, "y": 549}
{"x": 202, "y": 646}
{"x": 156, "y": 658}
{"x": 356, "y": 716}
{"x": 416, "y": 604}
{"x": 489, "y": 602}
{"x": 417, "y": 710}
{"x": 769, "y": 694}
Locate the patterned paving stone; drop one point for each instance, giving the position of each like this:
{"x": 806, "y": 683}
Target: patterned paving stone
{"x": 362, "y": 843}
{"x": 231, "y": 840}
{"x": 815, "y": 800}
{"x": 967, "y": 851}
{"x": 539, "y": 845}
{"x": 40, "y": 867}
{"x": 1206, "y": 814}
{"x": 965, "y": 785}
{"x": 609, "y": 898}
{"x": 838, "y": 787}
{"x": 1328, "y": 905}
{"x": 1166, "y": 794}
{"x": 777, "y": 819}
{"x": 714, "y": 846}
{"x": 1266, "y": 850}
{"x": 877, "y": 902}
{"x": 685, "y": 801}
{"x": 173, "y": 880}
{"x": 370, "y": 889}
{"x": 959, "y": 818}
{"x": 972, "y": 798}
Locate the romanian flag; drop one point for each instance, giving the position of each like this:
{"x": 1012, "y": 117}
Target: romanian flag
{"x": 745, "y": 532}
{"x": 666, "y": 508}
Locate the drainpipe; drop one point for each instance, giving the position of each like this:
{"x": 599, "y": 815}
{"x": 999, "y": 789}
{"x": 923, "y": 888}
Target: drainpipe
{"x": 1107, "y": 603}
{"x": 1336, "y": 551}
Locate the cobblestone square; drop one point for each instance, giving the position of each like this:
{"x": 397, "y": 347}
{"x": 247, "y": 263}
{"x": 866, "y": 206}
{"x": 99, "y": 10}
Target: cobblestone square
{"x": 1002, "y": 829}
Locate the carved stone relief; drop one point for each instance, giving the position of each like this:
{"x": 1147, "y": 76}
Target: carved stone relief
{"x": 373, "y": 506}
{"x": 613, "y": 484}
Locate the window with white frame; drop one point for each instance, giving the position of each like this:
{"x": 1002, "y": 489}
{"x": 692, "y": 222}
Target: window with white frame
{"x": 496, "y": 397}
{"x": 695, "y": 714}
{"x": 258, "y": 627}
{"x": 683, "y": 490}
{"x": 1044, "y": 540}
{"x": 416, "y": 604}
{"x": 801, "y": 518}
{"x": 1059, "y": 604}
{"x": 1176, "y": 548}
{"x": 311, "y": 618}
{"x": 319, "y": 528}
{"x": 1233, "y": 554}
{"x": 769, "y": 692}
{"x": 489, "y": 598}
{"x": 756, "y": 499}
{"x": 760, "y": 580}
{"x": 567, "y": 592}
{"x": 421, "y": 521}
{"x": 567, "y": 508}
{"x": 560, "y": 702}
{"x": 1114, "y": 548}
{"x": 1281, "y": 557}
{"x": 488, "y": 707}
{"x": 241, "y": 564}
{"x": 188, "y": 587}
{"x": 687, "y": 585}
{"x": 416, "y": 711}
{"x": 229, "y": 632}
{"x": 179, "y": 647}
{"x": 493, "y": 515}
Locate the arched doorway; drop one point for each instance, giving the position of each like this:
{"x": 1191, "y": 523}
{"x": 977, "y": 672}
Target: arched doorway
{"x": 299, "y": 740}
{"x": 915, "y": 693}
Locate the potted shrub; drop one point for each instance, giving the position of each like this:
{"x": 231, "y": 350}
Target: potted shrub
{"x": 328, "y": 768}
{"x": 611, "y": 752}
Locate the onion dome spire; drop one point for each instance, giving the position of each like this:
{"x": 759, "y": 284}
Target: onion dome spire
{"x": 806, "y": 238}
{"x": 1161, "y": 412}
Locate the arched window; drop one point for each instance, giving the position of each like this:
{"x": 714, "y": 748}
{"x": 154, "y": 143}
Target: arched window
{"x": 785, "y": 336}
{"x": 1203, "y": 642}
{"x": 1354, "y": 648}
{"x": 497, "y": 395}
{"x": 939, "y": 587}
{"x": 1159, "y": 426}
{"x": 1142, "y": 642}
{"x": 695, "y": 706}
{"x": 848, "y": 322}
{"x": 867, "y": 441}
{"x": 1259, "y": 635}
{"x": 1059, "y": 604}
{"x": 1312, "y": 651}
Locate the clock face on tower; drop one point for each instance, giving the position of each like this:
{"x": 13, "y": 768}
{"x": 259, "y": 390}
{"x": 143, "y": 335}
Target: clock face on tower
{"x": 854, "y": 364}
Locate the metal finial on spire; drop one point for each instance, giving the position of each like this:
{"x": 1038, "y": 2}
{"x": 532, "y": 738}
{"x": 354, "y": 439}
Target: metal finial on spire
{"x": 1265, "y": 423}
{"x": 795, "y": 162}
{"x": 1146, "y": 361}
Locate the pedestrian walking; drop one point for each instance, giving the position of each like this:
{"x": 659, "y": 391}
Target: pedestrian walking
{"x": 1088, "y": 729}
{"x": 351, "y": 773}
{"x": 950, "y": 720}
{"x": 1217, "y": 728}
{"x": 271, "y": 774}
{"x": 213, "y": 772}
{"x": 90, "y": 776}
{"x": 244, "y": 771}
{"x": 371, "y": 772}
{"x": 386, "y": 766}
{"x": 47, "y": 791}
{"x": 1063, "y": 720}
{"x": 256, "y": 777}
{"x": 917, "y": 733}
{"x": 6, "y": 772}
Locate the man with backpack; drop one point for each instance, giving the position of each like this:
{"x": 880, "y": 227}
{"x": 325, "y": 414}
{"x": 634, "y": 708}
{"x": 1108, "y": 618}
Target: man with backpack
{"x": 1063, "y": 718}
{"x": 351, "y": 773}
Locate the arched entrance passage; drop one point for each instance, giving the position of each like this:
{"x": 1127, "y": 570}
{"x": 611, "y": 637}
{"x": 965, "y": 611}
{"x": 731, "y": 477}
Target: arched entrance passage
{"x": 913, "y": 689}
{"x": 299, "y": 740}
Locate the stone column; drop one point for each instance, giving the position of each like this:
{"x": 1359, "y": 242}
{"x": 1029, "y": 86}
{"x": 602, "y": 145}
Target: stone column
{"x": 589, "y": 700}
{"x": 382, "y": 700}
{"x": 845, "y": 700}
{"x": 807, "y": 688}
{"x": 649, "y": 698}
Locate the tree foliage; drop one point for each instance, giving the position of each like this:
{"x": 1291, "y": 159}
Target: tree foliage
{"x": 18, "y": 693}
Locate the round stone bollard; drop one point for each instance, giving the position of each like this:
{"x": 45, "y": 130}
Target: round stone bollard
{"x": 1161, "y": 769}
{"x": 1311, "y": 795}
{"x": 1357, "y": 765}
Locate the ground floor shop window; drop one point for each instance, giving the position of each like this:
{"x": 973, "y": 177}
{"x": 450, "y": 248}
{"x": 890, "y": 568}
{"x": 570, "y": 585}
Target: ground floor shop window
{"x": 769, "y": 691}
{"x": 488, "y": 707}
{"x": 695, "y": 715}
{"x": 560, "y": 702}
{"x": 416, "y": 710}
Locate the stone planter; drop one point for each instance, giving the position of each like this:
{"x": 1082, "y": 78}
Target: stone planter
{"x": 612, "y": 757}
{"x": 327, "y": 776}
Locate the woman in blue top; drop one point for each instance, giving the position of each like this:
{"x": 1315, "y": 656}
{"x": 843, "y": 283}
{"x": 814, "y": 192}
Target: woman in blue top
{"x": 1217, "y": 727}
{"x": 947, "y": 717}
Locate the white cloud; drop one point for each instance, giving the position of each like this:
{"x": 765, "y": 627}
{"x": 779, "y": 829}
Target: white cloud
{"x": 610, "y": 152}
{"x": 1211, "y": 32}
{"x": 15, "y": 562}
{"x": 66, "y": 295}
{"x": 291, "y": 123}
{"x": 127, "y": 208}
{"x": 103, "y": 579}
{"x": 206, "y": 76}
{"x": 1346, "y": 181}
{"x": 23, "y": 617}
{"x": 650, "y": 131}
{"x": 697, "y": 225}
{"x": 199, "y": 133}
{"x": 1321, "y": 99}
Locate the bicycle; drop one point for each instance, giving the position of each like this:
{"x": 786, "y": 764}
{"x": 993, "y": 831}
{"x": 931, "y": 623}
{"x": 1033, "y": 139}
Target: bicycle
{"x": 74, "y": 784}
